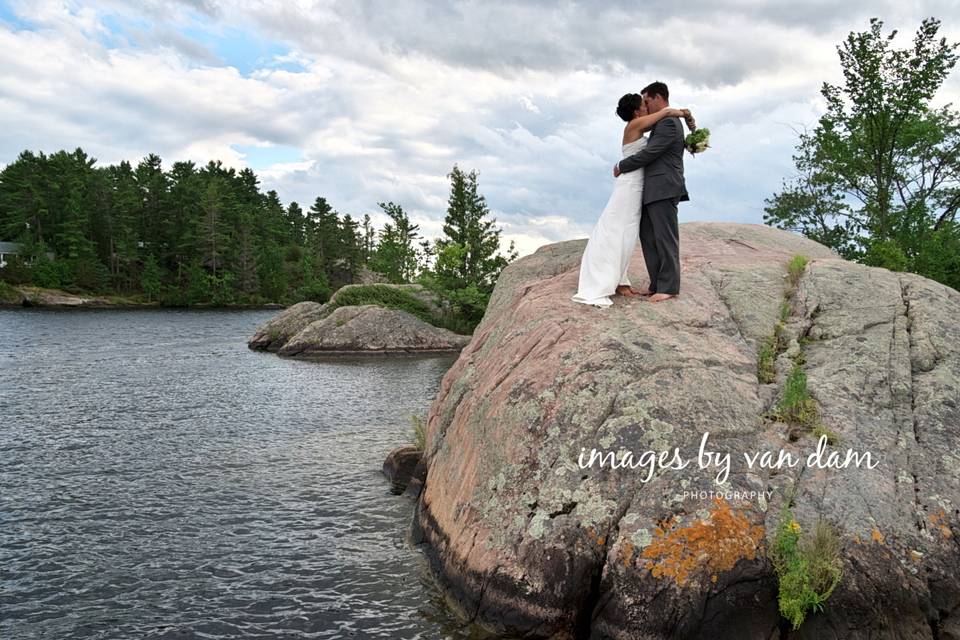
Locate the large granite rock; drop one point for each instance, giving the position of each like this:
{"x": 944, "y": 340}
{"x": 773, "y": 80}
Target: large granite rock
{"x": 373, "y": 330}
{"x": 528, "y": 542}
{"x": 401, "y": 332}
{"x": 277, "y": 331}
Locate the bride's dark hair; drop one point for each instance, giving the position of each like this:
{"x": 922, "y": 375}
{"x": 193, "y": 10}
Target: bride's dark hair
{"x": 627, "y": 105}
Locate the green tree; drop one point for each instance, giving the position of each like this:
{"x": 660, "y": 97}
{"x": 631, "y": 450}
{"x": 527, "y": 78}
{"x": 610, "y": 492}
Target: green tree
{"x": 151, "y": 279}
{"x": 322, "y": 227}
{"x": 272, "y": 276}
{"x": 296, "y": 222}
{"x": 878, "y": 179}
{"x": 351, "y": 247}
{"x": 211, "y": 229}
{"x": 369, "y": 240}
{"x": 467, "y": 258}
{"x": 395, "y": 255}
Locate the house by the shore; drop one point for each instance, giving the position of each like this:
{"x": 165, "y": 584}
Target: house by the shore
{"x": 8, "y": 249}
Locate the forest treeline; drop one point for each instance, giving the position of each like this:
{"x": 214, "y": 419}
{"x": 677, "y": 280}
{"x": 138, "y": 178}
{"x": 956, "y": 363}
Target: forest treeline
{"x": 208, "y": 235}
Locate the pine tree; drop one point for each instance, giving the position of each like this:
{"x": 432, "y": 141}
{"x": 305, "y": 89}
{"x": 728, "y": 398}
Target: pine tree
{"x": 395, "y": 255}
{"x": 151, "y": 279}
{"x": 296, "y": 223}
{"x": 467, "y": 258}
{"x": 369, "y": 240}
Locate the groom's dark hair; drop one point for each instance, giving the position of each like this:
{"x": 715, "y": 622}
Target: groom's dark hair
{"x": 657, "y": 89}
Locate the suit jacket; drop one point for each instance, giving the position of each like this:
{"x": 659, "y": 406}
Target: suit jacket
{"x": 662, "y": 157}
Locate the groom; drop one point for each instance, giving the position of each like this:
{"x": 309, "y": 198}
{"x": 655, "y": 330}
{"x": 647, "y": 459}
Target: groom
{"x": 663, "y": 190}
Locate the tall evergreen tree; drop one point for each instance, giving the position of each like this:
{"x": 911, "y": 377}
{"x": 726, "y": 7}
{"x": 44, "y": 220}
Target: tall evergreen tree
{"x": 296, "y": 222}
{"x": 468, "y": 259}
{"x": 396, "y": 255}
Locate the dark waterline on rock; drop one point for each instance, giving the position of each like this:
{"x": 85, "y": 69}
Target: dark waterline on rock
{"x": 160, "y": 480}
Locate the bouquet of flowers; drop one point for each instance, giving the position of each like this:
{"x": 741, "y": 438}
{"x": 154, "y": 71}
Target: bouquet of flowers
{"x": 697, "y": 141}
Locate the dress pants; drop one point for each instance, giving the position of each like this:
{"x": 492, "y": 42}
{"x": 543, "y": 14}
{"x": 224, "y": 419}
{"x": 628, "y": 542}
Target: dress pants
{"x": 660, "y": 242}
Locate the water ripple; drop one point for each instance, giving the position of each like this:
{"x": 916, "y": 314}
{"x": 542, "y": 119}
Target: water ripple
{"x": 159, "y": 480}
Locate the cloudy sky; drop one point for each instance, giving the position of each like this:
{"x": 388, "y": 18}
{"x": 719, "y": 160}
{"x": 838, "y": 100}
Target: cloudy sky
{"x": 363, "y": 101}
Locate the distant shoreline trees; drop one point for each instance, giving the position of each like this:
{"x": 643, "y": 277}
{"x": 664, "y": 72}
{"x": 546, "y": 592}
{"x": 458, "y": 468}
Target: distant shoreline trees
{"x": 208, "y": 235}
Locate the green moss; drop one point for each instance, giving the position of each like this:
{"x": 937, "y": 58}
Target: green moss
{"x": 808, "y": 566}
{"x": 382, "y": 296}
{"x": 820, "y": 430}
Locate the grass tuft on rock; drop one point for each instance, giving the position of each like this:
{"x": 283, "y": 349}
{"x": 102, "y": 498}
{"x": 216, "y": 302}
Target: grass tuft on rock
{"x": 766, "y": 361}
{"x": 796, "y": 407}
{"x": 808, "y": 566}
{"x": 795, "y": 269}
{"x": 419, "y": 432}
{"x": 776, "y": 344}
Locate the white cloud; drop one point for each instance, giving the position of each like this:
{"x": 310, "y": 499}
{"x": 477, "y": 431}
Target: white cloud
{"x": 382, "y": 99}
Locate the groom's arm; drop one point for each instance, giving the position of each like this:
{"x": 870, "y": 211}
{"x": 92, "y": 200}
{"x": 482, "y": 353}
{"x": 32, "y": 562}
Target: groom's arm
{"x": 660, "y": 141}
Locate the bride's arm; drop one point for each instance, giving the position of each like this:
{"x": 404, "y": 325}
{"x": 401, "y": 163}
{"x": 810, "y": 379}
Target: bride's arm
{"x": 644, "y": 123}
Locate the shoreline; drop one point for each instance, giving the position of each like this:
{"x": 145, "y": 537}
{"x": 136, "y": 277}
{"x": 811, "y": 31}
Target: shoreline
{"x": 31, "y": 297}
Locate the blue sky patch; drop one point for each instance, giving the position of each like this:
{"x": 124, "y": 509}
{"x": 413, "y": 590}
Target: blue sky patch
{"x": 244, "y": 50}
{"x": 8, "y": 16}
{"x": 262, "y": 157}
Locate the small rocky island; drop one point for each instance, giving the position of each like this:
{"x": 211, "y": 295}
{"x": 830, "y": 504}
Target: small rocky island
{"x": 312, "y": 330}
{"x": 775, "y": 344}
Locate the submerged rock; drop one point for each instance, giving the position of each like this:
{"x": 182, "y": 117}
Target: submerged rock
{"x": 369, "y": 329}
{"x": 400, "y": 467}
{"x": 528, "y": 541}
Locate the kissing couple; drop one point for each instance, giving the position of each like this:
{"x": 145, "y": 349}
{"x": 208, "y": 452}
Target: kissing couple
{"x": 649, "y": 185}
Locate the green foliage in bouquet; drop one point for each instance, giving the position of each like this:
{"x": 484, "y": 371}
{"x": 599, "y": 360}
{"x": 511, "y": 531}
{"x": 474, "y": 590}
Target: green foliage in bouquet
{"x": 698, "y": 141}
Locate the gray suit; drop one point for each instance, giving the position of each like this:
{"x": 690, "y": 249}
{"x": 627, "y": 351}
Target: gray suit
{"x": 663, "y": 189}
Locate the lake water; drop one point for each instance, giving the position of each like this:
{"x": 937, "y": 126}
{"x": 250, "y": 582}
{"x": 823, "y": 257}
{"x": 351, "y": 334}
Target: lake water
{"x": 160, "y": 480}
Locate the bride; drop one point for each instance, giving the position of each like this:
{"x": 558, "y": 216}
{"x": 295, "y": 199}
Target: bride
{"x": 603, "y": 267}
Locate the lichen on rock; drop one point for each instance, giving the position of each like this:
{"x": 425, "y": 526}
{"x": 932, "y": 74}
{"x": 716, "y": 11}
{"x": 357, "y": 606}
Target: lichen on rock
{"x": 529, "y": 543}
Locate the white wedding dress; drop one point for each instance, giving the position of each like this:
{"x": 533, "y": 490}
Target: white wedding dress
{"x": 611, "y": 244}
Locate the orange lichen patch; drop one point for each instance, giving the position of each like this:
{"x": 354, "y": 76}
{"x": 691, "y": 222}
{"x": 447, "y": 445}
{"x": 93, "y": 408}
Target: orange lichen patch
{"x": 626, "y": 553}
{"x": 596, "y": 537}
{"x": 856, "y": 539}
{"x": 716, "y": 544}
{"x": 939, "y": 520}
{"x": 876, "y": 536}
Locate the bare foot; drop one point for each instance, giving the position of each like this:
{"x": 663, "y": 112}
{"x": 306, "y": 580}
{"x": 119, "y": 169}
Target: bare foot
{"x": 626, "y": 290}
{"x": 646, "y": 292}
{"x": 657, "y": 297}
